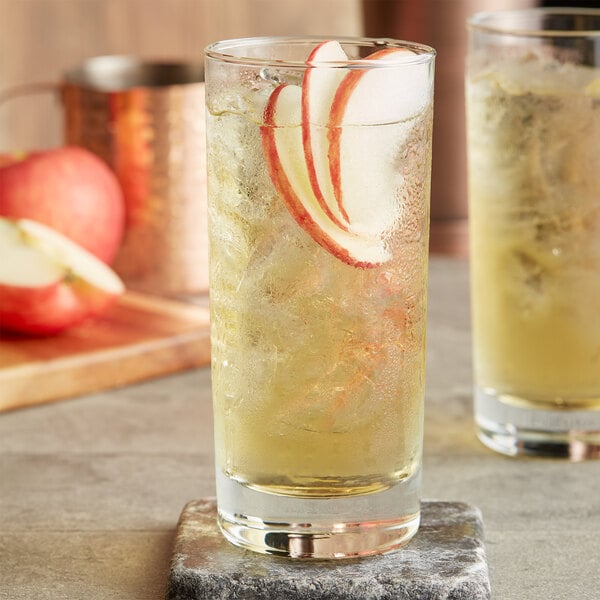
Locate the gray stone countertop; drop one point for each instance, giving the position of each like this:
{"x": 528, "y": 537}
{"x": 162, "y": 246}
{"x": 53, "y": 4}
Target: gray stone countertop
{"x": 91, "y": 488}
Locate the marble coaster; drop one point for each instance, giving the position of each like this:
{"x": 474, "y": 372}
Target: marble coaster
{"x": 444, "y": 561}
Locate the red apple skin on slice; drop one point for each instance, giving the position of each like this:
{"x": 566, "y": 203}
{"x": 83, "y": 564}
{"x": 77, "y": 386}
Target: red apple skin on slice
{"x": 284, "y": 154}
{"x": 318, "y": 91}
{"x": 50, "y": 309}
{"x": 367, "y": 105}
{"x": 47, "y": 282}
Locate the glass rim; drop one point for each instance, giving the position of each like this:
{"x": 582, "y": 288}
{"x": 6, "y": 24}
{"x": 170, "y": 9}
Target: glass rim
{"x": 221, "y": 51}
{"x": 488, "y": 22}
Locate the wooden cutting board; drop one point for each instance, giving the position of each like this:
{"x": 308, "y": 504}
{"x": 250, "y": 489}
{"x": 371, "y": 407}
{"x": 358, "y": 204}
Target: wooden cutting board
{"x": 139, "y": 338}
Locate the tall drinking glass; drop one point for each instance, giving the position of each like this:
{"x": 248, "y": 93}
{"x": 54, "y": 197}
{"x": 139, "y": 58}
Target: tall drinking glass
{"x": 319, "y": 175}
{"x": 533, "y": 99}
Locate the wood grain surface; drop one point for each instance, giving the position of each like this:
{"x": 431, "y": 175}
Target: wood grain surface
{"x": 140, "y": 338}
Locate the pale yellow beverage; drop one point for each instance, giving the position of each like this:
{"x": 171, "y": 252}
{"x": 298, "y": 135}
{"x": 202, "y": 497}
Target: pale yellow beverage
{"x": 533, "y": 128}
{"x": 318, "y": 208}
{"x": 317, "y": 365}
{"x": 534, "y": 139}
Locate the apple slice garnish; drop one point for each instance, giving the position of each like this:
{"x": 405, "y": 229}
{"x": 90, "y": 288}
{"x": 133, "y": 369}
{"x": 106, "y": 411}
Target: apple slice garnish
{"x": 284, "y": 153}
{"x": 318, "y": 91}
{"x": 48, "y": 282}
{"x": 332, "y": 147}
{"x": 366, "y": 132}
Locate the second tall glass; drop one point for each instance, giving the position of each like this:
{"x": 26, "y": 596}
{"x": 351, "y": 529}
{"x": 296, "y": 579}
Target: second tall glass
{"x": 319, "y": 158}
{"x": 533, "y": 91}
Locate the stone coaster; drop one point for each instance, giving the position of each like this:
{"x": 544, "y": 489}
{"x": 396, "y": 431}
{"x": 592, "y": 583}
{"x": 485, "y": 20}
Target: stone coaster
{"x": 444, "y": 561}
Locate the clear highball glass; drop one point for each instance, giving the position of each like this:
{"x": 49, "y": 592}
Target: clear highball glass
{"x": 533, "y": 129}
{"x": 319, "y": 159}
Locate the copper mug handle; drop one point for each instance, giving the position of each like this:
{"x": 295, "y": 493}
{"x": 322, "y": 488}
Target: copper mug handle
{"x": 27, "y": 89}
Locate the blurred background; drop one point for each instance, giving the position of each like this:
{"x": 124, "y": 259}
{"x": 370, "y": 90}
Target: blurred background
{"x": 41, "y": 39}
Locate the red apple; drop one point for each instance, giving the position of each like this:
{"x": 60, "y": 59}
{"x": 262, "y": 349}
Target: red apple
{"x": 10, "y": 159}
{"x": 47, "y": 282}
{"x": 284, "y": 154}
{"x": 70, "y": 190}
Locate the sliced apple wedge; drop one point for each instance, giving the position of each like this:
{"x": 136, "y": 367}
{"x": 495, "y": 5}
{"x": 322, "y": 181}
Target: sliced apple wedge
{"x": 47, "y": 282}
{"x": 384, "y": 94}
{"x": 284, "y": 153}
{"x": 318, "y": 91}
{"x": 367, "y": 124}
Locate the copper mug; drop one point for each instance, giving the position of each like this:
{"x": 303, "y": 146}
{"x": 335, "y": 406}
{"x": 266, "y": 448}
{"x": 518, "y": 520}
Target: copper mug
{"x": 146, "y": 120}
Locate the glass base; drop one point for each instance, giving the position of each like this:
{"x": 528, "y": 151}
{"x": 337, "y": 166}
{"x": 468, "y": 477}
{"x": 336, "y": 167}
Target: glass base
{"x": 318, "y": 528}
{"x": 513, "y": 426}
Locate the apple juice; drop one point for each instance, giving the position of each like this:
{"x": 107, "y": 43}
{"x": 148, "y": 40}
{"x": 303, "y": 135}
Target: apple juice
{"x": 318, "y": 365}
{"x": 533, "y": 130}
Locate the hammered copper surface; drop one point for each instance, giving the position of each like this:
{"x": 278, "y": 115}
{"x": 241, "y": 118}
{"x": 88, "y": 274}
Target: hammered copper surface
{"x": 153, "y": 136}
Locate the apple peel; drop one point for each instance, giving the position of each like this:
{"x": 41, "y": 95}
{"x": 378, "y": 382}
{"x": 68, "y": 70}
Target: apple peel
{"x": 47, "y": 282}
{"x": 69, "y": 189}
{"x": 366, "y": 128}
{"x": 331, "y": 147}
{"x": 318, "y": 91}
{"x": 284, "y": 153}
